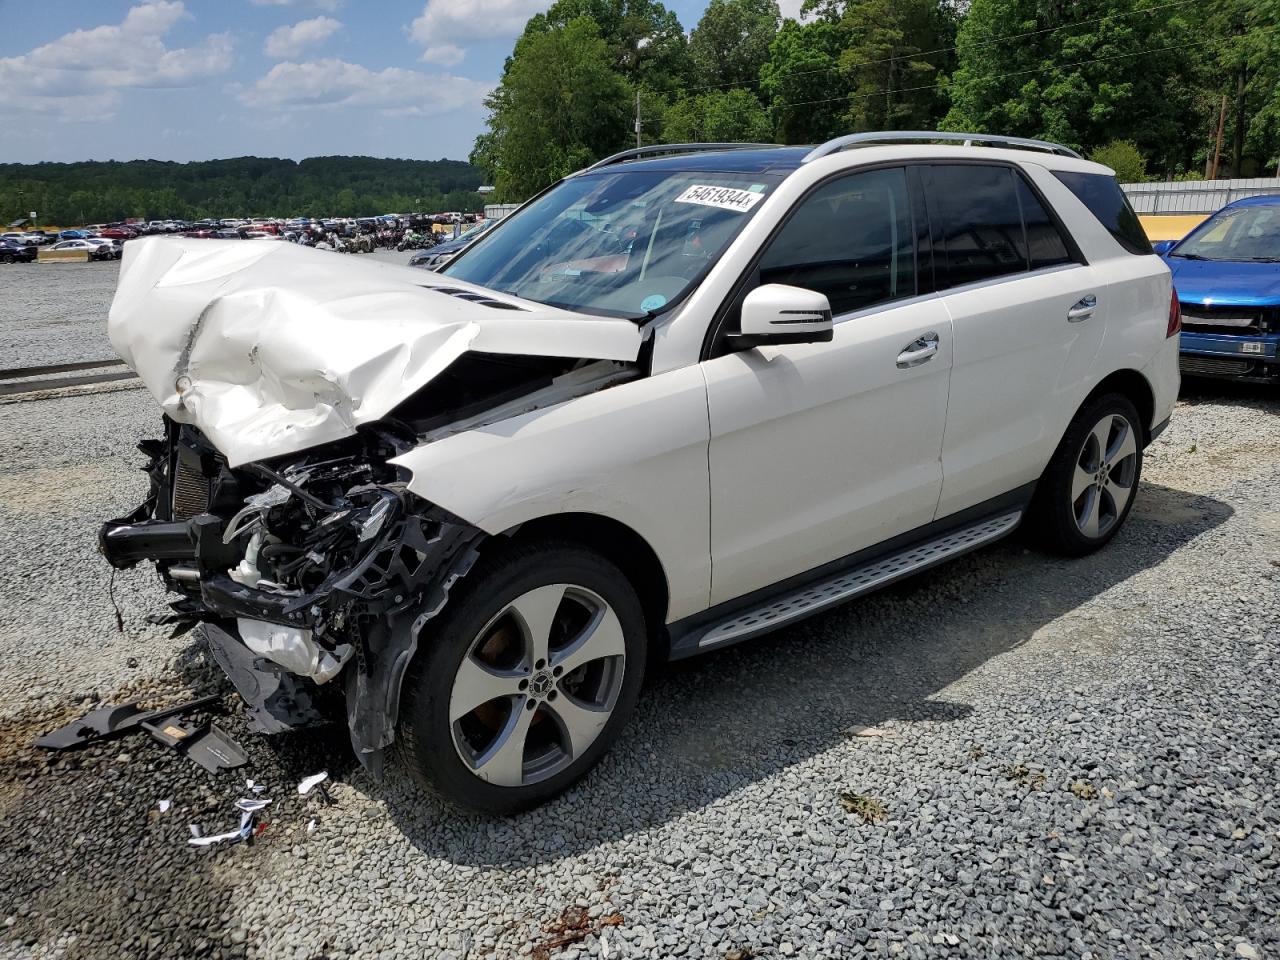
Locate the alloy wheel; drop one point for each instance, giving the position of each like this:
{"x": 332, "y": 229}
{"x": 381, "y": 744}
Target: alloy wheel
{"x": 1103, "y": 480}
{"x": 537, "y": 685}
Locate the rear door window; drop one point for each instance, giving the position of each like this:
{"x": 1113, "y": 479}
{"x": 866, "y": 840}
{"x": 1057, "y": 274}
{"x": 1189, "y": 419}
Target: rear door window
{"x": 978, "y": 232}
{"x": 1045, "y": 246}
{"x": 1106, "y": 201}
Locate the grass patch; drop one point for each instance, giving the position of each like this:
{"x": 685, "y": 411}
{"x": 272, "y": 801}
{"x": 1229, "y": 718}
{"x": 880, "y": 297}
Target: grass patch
{"x": 1024, "y": 776}
{"x": 869, "y": 809}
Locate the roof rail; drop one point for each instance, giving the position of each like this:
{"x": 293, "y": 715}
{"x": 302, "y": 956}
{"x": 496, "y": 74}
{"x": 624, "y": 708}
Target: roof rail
{"x": 635, "y": 153}
{"x": 968, "y": 139}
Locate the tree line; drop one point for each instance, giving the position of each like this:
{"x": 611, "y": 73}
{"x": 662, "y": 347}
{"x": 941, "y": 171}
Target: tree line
{"x": 104, "y": 192}
{"x": 1153, "y": 88}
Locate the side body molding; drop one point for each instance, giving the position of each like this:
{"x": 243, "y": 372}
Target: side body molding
{"x": 636, "y": 453}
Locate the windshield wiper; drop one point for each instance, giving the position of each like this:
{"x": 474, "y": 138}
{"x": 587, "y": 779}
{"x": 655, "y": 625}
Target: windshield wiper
{"x": 1262, "y": 259}
{"x": 1190, "y": 256}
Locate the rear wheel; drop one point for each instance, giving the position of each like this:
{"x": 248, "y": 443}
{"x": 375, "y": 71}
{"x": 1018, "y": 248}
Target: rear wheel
{"x": 1088, "y": 489}
{"x": 525, "y": 679}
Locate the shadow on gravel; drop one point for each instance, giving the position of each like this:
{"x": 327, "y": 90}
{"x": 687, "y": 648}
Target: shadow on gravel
{"x": 708, "y": 726}
{"x": 1257, "y": 396}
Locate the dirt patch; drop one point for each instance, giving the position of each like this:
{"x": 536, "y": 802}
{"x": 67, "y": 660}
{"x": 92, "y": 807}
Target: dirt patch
{"x": 33, "y": 492}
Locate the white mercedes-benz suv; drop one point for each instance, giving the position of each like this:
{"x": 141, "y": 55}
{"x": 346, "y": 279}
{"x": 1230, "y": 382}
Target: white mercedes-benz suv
{"x": 683, "y": 397}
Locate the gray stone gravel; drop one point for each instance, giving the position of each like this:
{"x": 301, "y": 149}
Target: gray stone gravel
{"x": 1076, "y": 758}
{"x": 55, "y": 312}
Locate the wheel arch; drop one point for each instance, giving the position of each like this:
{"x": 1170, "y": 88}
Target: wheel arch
{"x": 1133, "y": 385}
{"x": 620, "y": 545}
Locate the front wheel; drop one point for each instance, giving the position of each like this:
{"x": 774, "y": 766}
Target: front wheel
{"x": 525, "y": 680}
{"x": 1088, "y": 488}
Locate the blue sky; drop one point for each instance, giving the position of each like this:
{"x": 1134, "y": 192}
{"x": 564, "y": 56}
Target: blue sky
{"x": 198, "y": 79}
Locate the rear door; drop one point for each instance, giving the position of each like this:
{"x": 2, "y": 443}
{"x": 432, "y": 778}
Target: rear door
{"x": 1028, "y": 317}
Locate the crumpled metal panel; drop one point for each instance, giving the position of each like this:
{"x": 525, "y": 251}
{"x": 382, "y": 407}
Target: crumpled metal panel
{"x": 271, "y": 348}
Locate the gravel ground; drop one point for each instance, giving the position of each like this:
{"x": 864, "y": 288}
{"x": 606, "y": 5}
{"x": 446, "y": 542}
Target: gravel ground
{"x": 1044, "y": 758}
{"x": 56, "y": 312}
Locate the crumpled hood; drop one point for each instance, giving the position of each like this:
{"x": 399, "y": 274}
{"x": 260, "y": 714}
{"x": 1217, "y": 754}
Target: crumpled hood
{"x": 1225, "y": 282}
{"x": 270, "y": 348}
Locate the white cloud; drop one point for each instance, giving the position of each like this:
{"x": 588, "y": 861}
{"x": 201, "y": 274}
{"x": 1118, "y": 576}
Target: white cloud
{"x": 790, "y": 8}
{"x": 80, "y": 75}
{"x": 336, "y": 83}
{"x": 286, "y": 43}
{"x": 327, "y": 5}
{"x": 443, "y": 23}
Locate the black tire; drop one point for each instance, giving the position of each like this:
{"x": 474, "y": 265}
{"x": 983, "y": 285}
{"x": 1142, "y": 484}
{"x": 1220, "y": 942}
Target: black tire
{"x": 10, "y": 258}
{"x": 1061, "y": 521}
{"x": 431, "y": 745}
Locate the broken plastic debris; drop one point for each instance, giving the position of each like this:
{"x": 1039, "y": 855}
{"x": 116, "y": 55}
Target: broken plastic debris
{"x": 311, "y": 826}
{"x": 231, "y": 836}
{"x": 112, "y": 721}
{"x": 164, "y": 805}
{"x": 255, "y": 787}
{"x": 245, "y": 805}
{"x": 310, "y": 783}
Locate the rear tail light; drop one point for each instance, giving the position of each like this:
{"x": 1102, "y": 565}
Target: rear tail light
{"x": 1175, "y": 315}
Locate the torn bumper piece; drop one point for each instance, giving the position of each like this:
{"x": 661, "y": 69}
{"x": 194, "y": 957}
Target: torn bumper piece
{"x": 275, "y": 699}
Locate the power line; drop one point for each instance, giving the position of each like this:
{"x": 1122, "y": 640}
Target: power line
{"x": 1015, "y": 73}
{"x": 928, "y": 53}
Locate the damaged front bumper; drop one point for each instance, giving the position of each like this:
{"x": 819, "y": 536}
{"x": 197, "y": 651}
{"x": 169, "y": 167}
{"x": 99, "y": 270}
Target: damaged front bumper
{"x": 298, "y": 574}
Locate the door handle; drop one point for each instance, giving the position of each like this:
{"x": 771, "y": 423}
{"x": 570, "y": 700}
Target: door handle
{"x": 1083, "y": 309}
{"x": 919, "y": 350}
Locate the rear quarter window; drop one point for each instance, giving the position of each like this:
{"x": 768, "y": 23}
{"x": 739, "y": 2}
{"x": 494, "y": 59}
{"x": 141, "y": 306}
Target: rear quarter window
{"x": 1106, "y": 201}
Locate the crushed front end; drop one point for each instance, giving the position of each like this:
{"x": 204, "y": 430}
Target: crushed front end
{"x": 298, "y": 570}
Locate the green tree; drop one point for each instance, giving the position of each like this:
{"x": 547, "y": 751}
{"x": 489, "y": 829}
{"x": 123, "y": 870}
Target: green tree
{"x": 1124, "y": 157}
{"x": 802, "y": 82}
{"x": 559, "y": 106}
{"x": 1082, "y": 74}
{"x": 895, "y": 54}
{"x": 717, "y": 116}
{"x": 731, "y": 42}
{"x": 645, "y": 40}
{"x": 1241, "y": 63}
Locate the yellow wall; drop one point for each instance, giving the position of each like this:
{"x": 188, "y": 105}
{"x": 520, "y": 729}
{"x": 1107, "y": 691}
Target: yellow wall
{"x": 1162, "y": 227}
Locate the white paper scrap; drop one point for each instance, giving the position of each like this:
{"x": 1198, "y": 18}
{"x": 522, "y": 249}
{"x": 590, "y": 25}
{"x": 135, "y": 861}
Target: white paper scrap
{"x": 310, "y": 783}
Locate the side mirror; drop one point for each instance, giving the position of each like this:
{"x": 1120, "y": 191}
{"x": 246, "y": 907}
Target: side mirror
{"x": 776, "y": 313}
{"x": 1161, "y": 247}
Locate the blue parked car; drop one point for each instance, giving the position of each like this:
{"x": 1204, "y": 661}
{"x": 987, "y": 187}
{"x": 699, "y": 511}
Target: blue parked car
{"x": 1227, "y": 274}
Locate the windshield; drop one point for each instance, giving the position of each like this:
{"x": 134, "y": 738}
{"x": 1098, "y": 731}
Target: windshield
{"x": 1249, "y": 233}
{"x": 621, "y": 243}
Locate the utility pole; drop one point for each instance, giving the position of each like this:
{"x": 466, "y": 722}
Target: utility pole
{"x": 1217, "y": 150}
{"x": 638, "y": 117}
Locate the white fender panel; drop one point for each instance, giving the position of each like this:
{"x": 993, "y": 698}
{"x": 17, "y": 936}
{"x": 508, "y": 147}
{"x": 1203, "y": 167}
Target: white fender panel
{"x": 636, "y": 453}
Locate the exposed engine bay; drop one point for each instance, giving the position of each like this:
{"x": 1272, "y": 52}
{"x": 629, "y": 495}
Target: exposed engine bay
{"x": 321, "y": 565}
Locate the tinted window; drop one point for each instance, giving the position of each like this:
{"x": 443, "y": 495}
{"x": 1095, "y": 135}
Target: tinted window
{"x": 850, "y": 239}
{"x": 1045, "y": 246}
{"x": 1106, "y": 201}
{"x": 978, "y": 223}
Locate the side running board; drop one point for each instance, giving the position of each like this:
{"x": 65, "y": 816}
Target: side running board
{"x": 814, "y": 597}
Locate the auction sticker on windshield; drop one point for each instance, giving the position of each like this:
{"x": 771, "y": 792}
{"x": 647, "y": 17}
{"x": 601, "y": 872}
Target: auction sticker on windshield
{"x": 726, "y": 198}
